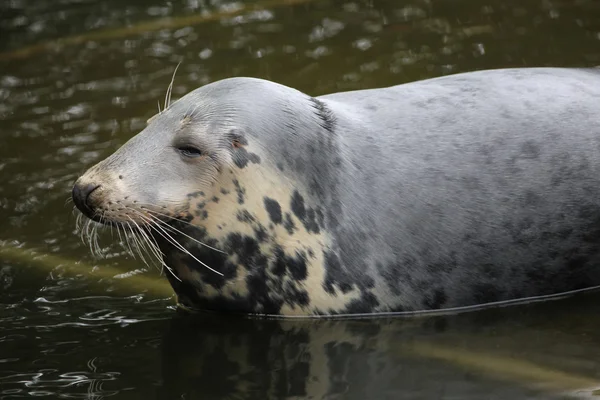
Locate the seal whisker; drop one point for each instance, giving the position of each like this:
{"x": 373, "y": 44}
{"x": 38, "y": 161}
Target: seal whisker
{"x": 170, "y": 88}
{"x": 128, "y": 249}
{"x": 183, "y": 233}
{"x": 90, "y": 240}
{"x": 139, "y": 247}
{"x": 78, "y": 225}
{"x": 143, "y": 240}
{"x": 120, "y": 237}
{"x": 94, "y": 238}
{"x": 150, "y": 242}
{"x": 82, "y": 228}
{"x": 156, "y": 250}
{"x": 136, "y": 243}
{"x": 172, "y": 242}
{"x": 88, "y": 236}
{"x": 167, "y": 215}
{"x": 170, "y": 239}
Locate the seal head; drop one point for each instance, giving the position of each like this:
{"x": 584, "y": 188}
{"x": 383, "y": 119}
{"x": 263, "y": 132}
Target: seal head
{"x": 204, "y": 185}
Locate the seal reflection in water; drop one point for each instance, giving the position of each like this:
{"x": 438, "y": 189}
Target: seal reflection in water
{"x": 448, "y": 192}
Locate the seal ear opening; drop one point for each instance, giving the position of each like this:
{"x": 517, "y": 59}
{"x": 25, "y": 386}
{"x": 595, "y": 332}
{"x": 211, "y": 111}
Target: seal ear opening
{"x": 237, "y": 139}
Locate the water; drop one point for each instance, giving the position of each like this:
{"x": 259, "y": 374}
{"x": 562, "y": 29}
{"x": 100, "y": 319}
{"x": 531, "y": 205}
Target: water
{"x": 80, "y": 77}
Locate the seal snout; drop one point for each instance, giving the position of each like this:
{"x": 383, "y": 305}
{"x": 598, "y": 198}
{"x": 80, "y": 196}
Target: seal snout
{"x": 81, "y": 195}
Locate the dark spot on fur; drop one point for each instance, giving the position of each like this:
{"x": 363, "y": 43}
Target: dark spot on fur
{"x": 204, "y": 215}
{"x": 186, "y": 217}
{"x": 258, "y": 287}
{"x": 288, "y": 224}
{"x": 195, "y": 194}
{"x": 295, "y": 296}
{"x": 224, "y": 191}
{"x": 245, "y": 247}
{"x": 334, "y": 275}
{"x": 241, "y": 157}
{"x": 245, "y": 216}
{"x": 240, "y": 191}
{"x": 338, "y": 274}
{"x": 326, "y": 117}
{"x": 260, "y": 233}
{"x": 308, "y": 217}
{"x": 297, "y": 205}
{"x": 120, "y": 176}
{"x": 215, "y": 199}
{"x": 295, "y": 266}
{"x": 274, "y": 210}
{"x": 363, "y": 305}
{"x": 279, "y": 267}
{"x": 280, "y": 166}
{"x": 310, "y": 223}
{"x": 201, "y": 205}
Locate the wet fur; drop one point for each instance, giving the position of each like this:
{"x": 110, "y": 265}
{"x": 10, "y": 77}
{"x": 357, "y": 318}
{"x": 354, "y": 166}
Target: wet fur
{"x": 460, "y": 190}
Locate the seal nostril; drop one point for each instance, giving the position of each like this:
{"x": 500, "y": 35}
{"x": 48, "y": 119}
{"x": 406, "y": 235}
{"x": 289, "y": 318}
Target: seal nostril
{"x": 81, "y": 195}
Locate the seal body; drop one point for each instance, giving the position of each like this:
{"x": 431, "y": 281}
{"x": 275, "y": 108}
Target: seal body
{"x": 455, "y": 191}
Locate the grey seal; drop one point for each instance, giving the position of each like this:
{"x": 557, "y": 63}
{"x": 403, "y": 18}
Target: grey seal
{"x": 456, "y": 191}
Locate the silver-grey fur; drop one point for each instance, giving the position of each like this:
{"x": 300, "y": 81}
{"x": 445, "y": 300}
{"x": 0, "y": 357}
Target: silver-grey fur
{"x": 460, "y": 190}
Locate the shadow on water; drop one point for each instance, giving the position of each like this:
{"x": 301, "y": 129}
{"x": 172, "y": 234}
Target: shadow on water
{"x": 513, "y": 353}
{"x": 80, "y": 77}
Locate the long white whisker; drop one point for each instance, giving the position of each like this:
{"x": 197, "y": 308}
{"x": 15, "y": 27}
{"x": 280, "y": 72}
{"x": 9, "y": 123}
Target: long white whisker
{"x": 170, "y": 88}
{"x": 173, "y": 242}
{"x": 126, "y": 242}
{"x": 155, "y": 249}
{"x": 130, "y": 236}
{"x": 88, "y": 237}
{"x": 140, "y": 242}
{"x": 151, "y": 243}
{"x": 95, "y": 240}
{"x": 158, "y": 228}
{"x": 183, "y": 233}
{"x": 138, "y": 245}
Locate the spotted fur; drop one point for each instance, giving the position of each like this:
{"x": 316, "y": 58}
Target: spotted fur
{"x": 456, "y": 191}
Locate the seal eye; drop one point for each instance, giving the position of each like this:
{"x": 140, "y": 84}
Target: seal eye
{"x": 189, "y": 151}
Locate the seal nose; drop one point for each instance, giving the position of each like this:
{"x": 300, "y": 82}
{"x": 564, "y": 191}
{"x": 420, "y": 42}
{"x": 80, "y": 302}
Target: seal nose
{"x": 81, "y": 195}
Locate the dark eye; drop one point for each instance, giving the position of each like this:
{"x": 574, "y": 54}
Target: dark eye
{"x": 189, "y": 151}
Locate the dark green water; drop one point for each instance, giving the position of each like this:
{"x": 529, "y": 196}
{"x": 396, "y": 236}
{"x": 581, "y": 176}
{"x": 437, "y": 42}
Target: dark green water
{"x": 66, "y": 106}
